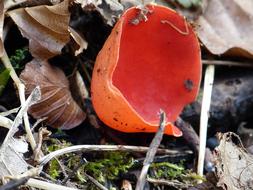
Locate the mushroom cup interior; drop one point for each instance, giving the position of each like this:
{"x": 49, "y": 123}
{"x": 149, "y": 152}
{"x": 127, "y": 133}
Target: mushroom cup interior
{"x": 158, "y": 65}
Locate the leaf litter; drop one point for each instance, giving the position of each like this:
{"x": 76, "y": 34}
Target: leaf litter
{"x": 226, "y": 27}
{"x": 11, "y": 151}
{"x": 234, "y": 165}
{"x": 56, "y": 104}
{"x": 46, "y": 27}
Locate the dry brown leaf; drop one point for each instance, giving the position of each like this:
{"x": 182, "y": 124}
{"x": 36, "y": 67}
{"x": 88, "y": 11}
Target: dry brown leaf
{"x": 56, "y": 103}
{"x": 46, "y": 27}
{"x": 226, "y": 27}
{"x": 79, "y": 39}
{"x": 234, "y": 166}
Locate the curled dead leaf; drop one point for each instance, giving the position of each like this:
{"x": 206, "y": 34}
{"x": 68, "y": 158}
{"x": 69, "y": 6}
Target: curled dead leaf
{"x": 46, "y": 27}
{"x": 226, "y": 27}
{"x": 233, "y": 163}
{"x": 79, "y": 39}
{"x": 56, "y": 103}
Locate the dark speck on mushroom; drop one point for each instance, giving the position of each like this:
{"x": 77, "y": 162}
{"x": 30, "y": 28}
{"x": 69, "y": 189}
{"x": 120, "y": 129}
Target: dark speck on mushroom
{"x": 188, "y": 84}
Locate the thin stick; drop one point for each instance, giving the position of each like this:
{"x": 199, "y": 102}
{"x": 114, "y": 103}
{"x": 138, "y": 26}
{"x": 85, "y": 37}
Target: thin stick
{"x": 21, "y": 91}
{"x": 171, "y": 183}
{"x": 206, "y": 102}
{"x": 6, "y": 61}
{"x": 46, "y": 185}
{"x": 151, "y": 152}
{"x": 14, "y": 184}
{"x": 5, "y": 122}
{"x": 33, "y": 98}
{"x": 9, "y": 112}
{"x": 99, "y": 148}
{"x": 43, "y": 132}
{"x": 192, "y": 139}
{"x": 38, "y": 122}
{"x": 95, "y": 182}
{"x": 227, "y": 63}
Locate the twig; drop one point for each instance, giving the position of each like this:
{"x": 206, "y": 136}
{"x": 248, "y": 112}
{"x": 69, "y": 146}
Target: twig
{"x": 29, "y": 173}
{"x": 99, "y": 185}
{"x": 9, "y": 112}
{"x": 21, "y": 179}
{"x": 206, "y": 102}
{"x": 21, "y": 91}
{"x": 43, "y": 132}
{"x": 99, "y": 148}
{"x": 192, "y": 139}
{"x": 14, "y": 184}
{"x": 33, "y": 98}
{"x": 172, "y": 183}
{"x": 227, "y": 63}
{"x": 46, "y": 185}
{"x": 151, "y": 152}
{"x": 62, "y": 167}
{"x": 73, "y": 172}
{"x": 38, "y": 122}
{"x": 183, "y": 154}
{"x": 86, "y": 72}
{"x": 5, "y": 122}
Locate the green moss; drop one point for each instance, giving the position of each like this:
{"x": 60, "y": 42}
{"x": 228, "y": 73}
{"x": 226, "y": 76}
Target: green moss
{"x": 166, "y": 170}
{"x": 106, "y": 169}
{"x": 55, "y": 144}
{"x": 169, "y": 171}
{"x": 109, "y": 168}
{"x": 54, "y": 170}
{"x": 4, "y": 78}
{"x": 18, "y": 57}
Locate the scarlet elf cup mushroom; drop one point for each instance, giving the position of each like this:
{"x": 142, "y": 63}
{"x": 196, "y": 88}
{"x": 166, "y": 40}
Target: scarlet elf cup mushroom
{"x": 150, "y": 61}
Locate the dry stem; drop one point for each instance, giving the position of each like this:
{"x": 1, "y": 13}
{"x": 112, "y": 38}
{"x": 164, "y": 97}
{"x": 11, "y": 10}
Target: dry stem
{"x": 46, "y": 185}
{"x": 206, "y": 102}
{"x": 151, "y": 152}
{"x": 99, "y": 148}
{"x": 21, "y": 92}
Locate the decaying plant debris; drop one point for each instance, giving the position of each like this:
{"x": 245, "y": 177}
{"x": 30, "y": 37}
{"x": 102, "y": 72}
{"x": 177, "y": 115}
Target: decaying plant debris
{"x": 233, "y": 163}
{"x": 48, "y": 49}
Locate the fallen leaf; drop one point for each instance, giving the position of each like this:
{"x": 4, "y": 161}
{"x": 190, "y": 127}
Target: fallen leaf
{"x": 11, "y": 160}
{"x": 11, "y": 150}
{"x": 109, "y": 9}
{"x": 226, "y": 27}
{"x": 233, "y": 163}
{"x": 79, "y": 39}
{"x": 46, "y": 27}
{"x": 56, "y": 103}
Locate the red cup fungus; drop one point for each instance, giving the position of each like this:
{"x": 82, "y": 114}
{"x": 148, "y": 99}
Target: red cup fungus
{"x": 150, "y": 61}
